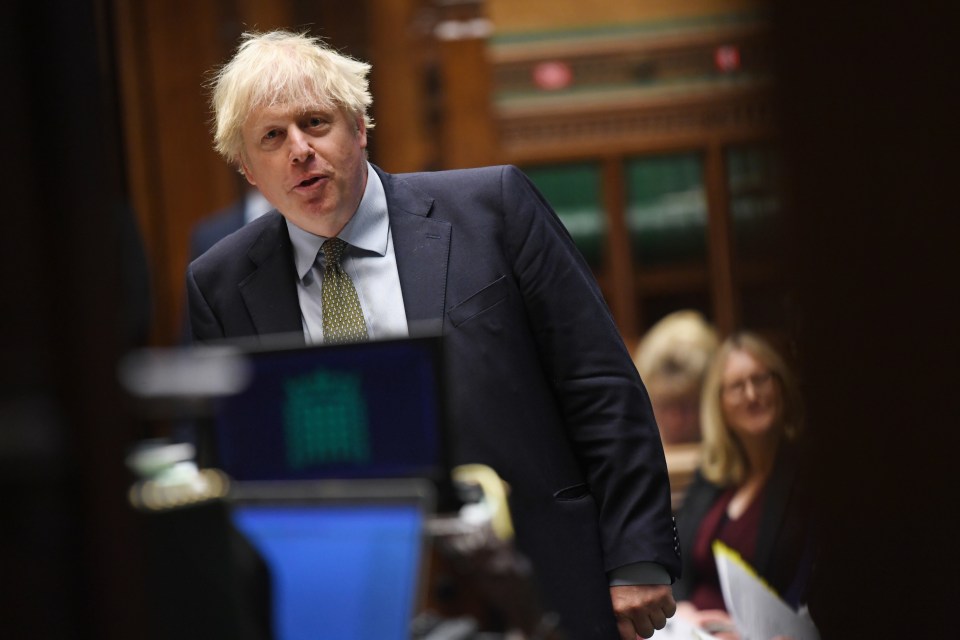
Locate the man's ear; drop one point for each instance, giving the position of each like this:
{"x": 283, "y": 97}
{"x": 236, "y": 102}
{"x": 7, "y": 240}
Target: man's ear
{"x": 242, "y": 166}
{"x": 360, "y": 126}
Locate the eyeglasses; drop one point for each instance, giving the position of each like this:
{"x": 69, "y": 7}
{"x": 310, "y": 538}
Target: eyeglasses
{"x": 737, "y": 390}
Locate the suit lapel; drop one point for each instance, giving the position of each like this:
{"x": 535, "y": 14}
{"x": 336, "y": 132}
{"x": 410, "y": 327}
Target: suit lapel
{"x": 422, "y": 248}
{"x": 270, "y": 291}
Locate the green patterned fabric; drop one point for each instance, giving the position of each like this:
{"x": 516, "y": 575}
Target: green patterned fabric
{"x": 342, "y": 316}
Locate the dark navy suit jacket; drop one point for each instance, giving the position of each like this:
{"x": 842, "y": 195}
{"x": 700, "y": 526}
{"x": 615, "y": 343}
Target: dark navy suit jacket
{"x": 542, "y": 388}
{"x": 206, "y": 233}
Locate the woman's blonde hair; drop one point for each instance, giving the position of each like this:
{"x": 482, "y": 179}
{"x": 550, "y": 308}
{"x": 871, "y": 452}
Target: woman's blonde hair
{"x": 724, "y": 461}
{"x": 281, "y": 67}
{"x": 673, "y": 355}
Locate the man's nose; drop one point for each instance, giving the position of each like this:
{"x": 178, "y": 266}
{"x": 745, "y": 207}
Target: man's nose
{"x": 300, "y": 149}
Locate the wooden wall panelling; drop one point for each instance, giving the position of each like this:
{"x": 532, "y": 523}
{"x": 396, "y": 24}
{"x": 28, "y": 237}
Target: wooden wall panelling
{"x": 175, "y": 176}
{"x": 167, "y": 49}
{"x": 632, "y": 57}
{"x": 643, "y": 92}
{"x": 631, "y": 122}
{"x": 566, "y": 14}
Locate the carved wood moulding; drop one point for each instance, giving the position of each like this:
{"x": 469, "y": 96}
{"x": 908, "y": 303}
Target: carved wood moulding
{"x": 634, "y": 123}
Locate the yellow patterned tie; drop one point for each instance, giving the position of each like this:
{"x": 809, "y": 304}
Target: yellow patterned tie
{"x": 342, "y": 316}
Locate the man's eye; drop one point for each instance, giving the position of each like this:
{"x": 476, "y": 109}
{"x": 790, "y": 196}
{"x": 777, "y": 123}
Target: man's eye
{"x": 270, "y": 135}
{"x": 316, "y": 122}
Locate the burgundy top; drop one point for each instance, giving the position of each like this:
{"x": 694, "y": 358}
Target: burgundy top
{"x": 740, "y": 535}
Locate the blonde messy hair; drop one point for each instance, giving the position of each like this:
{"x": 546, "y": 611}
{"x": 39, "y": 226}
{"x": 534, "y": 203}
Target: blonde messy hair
{"x": 673, "y": 355}
{"x": 281, "y": 67}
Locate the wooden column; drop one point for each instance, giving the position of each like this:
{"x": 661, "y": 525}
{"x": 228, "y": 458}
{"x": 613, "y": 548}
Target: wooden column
{"x": 468, "y": 132}
{"x": 398, "y": 46}
{"x": 720, "y": 250}
{"x": 619, "y": 289}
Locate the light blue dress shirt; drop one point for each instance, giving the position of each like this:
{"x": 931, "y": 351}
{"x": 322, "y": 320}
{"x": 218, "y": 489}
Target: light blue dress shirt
{"x": 369, "y": 261}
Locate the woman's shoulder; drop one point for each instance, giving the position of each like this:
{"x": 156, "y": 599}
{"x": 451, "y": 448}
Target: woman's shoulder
{"x": 700, "y": 495}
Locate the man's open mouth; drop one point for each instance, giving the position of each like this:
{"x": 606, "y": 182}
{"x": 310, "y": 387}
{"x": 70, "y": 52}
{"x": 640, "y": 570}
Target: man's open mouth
{"x": 309, "y": 181}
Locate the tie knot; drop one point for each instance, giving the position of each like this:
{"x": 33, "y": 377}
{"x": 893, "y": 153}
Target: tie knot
{"x": 333, "y": 251}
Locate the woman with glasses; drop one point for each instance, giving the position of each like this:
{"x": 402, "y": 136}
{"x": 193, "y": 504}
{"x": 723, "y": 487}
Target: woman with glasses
{"x": 747, "y": 491}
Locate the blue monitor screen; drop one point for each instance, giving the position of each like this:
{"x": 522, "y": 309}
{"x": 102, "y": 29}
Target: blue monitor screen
{"x": 345, "y": 411}
{"x": 338, "y": 572}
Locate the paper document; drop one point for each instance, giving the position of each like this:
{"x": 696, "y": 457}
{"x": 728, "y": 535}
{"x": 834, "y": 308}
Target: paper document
{"x": 756, "y": 609}
{"x": 679, "y": 629}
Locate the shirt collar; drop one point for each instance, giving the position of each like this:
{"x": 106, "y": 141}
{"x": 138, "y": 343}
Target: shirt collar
{"x": 367, "y": 230}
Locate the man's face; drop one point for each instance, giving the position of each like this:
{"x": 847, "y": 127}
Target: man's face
{"x": 310, "y": 165}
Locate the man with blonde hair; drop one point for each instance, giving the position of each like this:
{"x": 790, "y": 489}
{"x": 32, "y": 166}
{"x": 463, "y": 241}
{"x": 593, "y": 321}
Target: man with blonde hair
{"x": 541, "y": 387}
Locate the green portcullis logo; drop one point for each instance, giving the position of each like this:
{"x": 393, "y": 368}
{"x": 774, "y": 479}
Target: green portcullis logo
{"x": 325, "y": 420}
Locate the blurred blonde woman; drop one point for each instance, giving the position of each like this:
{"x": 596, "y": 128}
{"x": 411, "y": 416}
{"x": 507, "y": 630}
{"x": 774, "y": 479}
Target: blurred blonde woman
{"x": 748, "y": 492}
{"x": 672, "y": 359}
